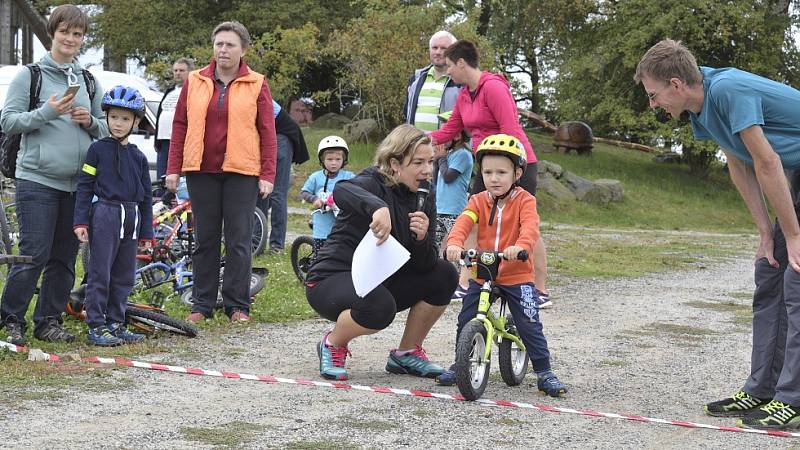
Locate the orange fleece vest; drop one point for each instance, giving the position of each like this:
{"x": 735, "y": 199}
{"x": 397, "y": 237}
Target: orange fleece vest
{"x": 243, "y": 147}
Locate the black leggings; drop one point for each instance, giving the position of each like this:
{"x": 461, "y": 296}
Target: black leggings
{"x": 376, "y": 311}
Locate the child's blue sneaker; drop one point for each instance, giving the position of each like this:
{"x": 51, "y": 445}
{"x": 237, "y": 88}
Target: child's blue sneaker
{"x": 413, "y": 363}
{"x": 331, "y": 360}
{"x": 549, "y": 384}
{"x": 448, "y": 377}
{"x": 119, "y": 331}
{"x": 101, "y": 337}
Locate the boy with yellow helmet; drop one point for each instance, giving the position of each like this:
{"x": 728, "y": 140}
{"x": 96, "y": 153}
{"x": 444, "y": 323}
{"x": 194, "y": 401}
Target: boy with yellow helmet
{"x": 507, "y": 222}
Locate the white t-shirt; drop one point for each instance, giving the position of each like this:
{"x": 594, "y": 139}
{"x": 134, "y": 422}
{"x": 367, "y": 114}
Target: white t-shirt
{"x": 167, "y": 114}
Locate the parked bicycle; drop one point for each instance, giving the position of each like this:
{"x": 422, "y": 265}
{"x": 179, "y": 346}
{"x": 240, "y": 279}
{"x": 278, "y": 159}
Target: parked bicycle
{"x": 474, "y": 346}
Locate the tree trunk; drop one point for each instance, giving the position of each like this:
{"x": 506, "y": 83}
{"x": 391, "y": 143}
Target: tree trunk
{"x": 486, "y": 15}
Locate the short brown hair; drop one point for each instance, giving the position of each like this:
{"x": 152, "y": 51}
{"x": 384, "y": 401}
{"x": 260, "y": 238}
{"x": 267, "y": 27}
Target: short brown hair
{"x": 401, "y": 142}
{"x": 465, "y": 50}
{"x": 237, "y": 28}
{"x": 666, "y": 60}
{"x": 186, "y": 62}
{"x": 69, "y": 15}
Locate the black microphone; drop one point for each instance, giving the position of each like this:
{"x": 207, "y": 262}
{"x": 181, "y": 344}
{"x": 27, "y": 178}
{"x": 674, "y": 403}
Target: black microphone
{"x": 422, "y": 194}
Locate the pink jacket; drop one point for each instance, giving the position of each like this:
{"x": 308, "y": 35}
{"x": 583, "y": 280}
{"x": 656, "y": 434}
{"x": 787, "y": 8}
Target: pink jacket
{"x": 492, "y": 111}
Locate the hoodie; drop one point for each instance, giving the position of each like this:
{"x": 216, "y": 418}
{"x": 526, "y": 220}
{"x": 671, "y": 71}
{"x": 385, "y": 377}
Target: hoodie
{"x": 53, "y": 147}
{"x": 491, "y": 110}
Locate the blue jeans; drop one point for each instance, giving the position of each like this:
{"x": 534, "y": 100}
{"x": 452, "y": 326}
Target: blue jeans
{"x": 45, "y": 228}
{"x": 278, "y": 199}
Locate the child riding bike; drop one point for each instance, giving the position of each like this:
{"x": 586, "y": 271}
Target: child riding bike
{"x": 507, "y": 221}
{"x": 332, "y": 153}
{"x": 117, "y": 173}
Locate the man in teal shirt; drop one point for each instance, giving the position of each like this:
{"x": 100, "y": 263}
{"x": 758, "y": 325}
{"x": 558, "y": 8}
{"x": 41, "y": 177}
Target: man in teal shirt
{"x": 756, "y": 122}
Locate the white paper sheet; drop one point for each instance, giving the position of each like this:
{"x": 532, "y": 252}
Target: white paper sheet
{"x": 372, "y": 264}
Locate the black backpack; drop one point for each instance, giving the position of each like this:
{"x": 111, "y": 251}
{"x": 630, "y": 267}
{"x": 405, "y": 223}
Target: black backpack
{"x": 9, "y": 143}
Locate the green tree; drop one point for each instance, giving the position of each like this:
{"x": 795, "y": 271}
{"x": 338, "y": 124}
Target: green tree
{"x": 594, "y": 80}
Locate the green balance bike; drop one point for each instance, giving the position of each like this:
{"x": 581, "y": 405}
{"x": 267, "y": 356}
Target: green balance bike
{"x": 474, "y": 346}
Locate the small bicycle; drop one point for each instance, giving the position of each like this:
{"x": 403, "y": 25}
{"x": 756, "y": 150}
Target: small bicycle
{"x": 302, "y": 253}
{"x": 474, "y": 346}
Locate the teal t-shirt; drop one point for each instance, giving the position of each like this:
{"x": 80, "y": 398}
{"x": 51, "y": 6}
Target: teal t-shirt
{"x": 451, "y": 198}
{"x": 315, "y": 184}
{"x": 735, "y": 100}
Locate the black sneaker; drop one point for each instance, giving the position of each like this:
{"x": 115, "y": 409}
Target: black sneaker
{"x": 775, "y": 415}
{"x": 739, "y": 405}
{"x": 53, "y": 332}
{"x": 16, "y": 335}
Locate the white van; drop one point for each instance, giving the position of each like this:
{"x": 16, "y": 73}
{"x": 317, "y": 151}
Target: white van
{"x": 144, "y": 137}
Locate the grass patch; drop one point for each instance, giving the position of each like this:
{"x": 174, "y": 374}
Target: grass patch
{"x": 592, "y": 253}
{"x": 229, "y": 435}
{"x": 741, "y": 295}
{"x": 321, "y": 445}
{"x": 742, "y": 314}
{"x": 683, "y": 334}
{"x": 614, "y": 362}
{"x": 357, "y": 423}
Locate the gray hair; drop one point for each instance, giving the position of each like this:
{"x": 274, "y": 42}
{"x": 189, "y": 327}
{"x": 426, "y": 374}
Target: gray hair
{"x": 440, "y": 34}
{"x": 185, "y": 61}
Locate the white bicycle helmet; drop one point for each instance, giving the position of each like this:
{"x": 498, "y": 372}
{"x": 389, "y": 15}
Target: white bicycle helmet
{"x": 332, "y": 143}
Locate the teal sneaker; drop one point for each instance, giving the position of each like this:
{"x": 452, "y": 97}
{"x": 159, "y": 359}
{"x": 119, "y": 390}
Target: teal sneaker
{"x": 119, "y": 331}
{"x": 550, "y": 385}
{"x": 739, "y": 404}
{"x": 331, "y": 360}
{"x": 414, "y": 363}
{"x": 101, "y": 337}
{"x": 775, "y": 415}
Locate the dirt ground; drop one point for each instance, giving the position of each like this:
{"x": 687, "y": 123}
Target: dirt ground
{"x": 657, "y": 346}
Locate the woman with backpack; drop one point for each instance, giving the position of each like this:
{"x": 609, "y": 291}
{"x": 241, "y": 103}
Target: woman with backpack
{"x": 56, "y": 135}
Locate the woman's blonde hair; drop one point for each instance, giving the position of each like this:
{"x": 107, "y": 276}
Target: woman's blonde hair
{"x": 401, "y": 142}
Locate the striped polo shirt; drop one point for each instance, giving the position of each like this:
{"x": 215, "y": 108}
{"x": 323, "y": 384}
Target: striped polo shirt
{"x": 430, "y": 98}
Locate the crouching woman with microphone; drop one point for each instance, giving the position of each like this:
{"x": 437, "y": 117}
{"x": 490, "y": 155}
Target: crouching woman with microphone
{"x": 383, "y": 200}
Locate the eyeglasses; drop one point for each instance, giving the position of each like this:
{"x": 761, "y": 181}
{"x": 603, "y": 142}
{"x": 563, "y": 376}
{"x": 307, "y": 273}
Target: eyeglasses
{"x": 652, "y": 95}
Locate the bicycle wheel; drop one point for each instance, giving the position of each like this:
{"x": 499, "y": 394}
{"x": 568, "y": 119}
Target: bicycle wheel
{"x": 259, "y": 231}
{"x": 472, "y": 371}
{"x": 302, "y": 255}
{"x": 513, "y": 361}
{"x": 151, "y": 321}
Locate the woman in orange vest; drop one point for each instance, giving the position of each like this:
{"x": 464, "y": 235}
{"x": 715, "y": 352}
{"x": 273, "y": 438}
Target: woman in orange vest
{"x": 223, "y": 140}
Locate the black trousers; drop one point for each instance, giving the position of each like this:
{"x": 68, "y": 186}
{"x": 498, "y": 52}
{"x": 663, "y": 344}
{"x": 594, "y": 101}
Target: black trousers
{"x": 222, "y": 199}
{"x": 377, "y": 309}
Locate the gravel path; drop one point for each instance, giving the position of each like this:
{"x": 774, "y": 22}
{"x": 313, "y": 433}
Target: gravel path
{"x": 626, "y": 346}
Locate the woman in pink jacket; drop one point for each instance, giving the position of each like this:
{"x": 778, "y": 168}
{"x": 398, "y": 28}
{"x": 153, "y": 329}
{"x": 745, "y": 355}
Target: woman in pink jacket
{"x": 485, "y": 107}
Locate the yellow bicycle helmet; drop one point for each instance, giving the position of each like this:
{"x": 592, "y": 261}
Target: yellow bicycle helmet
{"x": 503, "y": 145}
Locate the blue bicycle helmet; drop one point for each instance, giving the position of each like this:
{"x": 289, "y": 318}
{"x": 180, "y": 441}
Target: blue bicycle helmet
{"x": 125, "y": 98}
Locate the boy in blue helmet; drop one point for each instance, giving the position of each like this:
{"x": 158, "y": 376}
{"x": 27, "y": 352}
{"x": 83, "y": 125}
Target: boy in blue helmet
{"x": 116, "y": 173}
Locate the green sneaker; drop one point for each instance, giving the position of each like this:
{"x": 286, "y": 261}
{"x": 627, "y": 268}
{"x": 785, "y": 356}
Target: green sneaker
{"x": 414, "y": 363}
{"x": 775, "y": 415}
{"x": 739, "y": 405}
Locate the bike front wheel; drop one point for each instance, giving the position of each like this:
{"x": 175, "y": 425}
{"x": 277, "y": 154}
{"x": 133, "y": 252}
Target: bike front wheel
{"x": 472, "y": 369}
{"x": 512, "y": 359}
{"x": 302, "y": 255}
{"x": 259, "y": 231}
{"x": 151, "y": 321}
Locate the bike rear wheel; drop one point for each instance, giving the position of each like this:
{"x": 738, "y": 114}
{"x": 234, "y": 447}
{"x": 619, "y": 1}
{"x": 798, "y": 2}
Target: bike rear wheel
{"x": 512, "y": 359}
{"x": 259, "y": 231}
{"x": 151, "y": 321}
{"x": 302, "y": 255}
{"x": 472, "y": 370}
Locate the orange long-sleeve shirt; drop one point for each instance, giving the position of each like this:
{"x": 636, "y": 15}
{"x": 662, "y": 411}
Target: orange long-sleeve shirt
{"x": 516, "y": 223}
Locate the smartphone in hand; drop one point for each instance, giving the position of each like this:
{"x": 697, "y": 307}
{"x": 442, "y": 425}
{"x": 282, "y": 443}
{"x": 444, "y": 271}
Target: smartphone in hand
{"x": 72, "y": 89}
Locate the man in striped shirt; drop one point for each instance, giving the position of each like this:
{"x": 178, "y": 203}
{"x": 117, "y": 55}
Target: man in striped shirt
{"x": 430, "y": 90}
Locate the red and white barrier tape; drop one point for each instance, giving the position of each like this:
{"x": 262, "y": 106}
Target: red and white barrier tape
{"x": 387, "y": 390}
